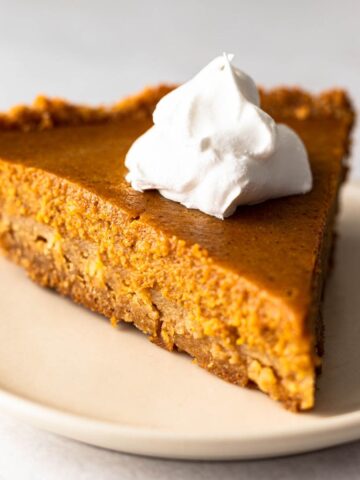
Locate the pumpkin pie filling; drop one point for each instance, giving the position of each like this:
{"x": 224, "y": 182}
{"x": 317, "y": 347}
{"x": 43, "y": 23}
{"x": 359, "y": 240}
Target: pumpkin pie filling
{"x": 242, "y": 296}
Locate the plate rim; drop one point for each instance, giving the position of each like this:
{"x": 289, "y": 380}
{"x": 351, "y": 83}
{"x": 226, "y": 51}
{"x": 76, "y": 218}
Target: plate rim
{"x": 163, "y": 443}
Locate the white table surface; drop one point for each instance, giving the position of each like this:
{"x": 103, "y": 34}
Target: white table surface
{"x": 97, "y": 52}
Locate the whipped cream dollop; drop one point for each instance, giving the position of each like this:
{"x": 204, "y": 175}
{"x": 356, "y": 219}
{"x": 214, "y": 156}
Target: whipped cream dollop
{"x": 212, "y": 147}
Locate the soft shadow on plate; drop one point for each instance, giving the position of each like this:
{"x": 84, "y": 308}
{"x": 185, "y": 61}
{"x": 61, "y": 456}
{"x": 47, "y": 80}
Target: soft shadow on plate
{"x": 339, "y": 383}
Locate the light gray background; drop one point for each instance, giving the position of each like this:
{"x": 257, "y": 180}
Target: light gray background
{"x": 97, "y": 52}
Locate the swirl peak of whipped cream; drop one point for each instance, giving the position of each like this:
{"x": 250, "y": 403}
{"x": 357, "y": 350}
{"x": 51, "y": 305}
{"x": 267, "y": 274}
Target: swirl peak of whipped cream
{"x": 212, "y": 148}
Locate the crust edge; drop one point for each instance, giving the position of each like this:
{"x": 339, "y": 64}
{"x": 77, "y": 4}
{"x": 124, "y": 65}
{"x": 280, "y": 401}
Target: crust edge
{"x": 46, "y": 113}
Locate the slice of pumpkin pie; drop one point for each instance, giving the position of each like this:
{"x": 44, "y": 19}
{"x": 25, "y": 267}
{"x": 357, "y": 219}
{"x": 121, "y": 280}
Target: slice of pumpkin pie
{"x": 242, "y": 296}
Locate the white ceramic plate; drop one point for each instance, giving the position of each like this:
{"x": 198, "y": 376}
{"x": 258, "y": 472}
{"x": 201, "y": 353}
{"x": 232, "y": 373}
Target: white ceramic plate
{"x": 67, "y": 371}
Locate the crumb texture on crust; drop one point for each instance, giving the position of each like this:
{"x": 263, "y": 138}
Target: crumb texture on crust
{"x": 48, "y": 112}
{"x": 300, "y": 104}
